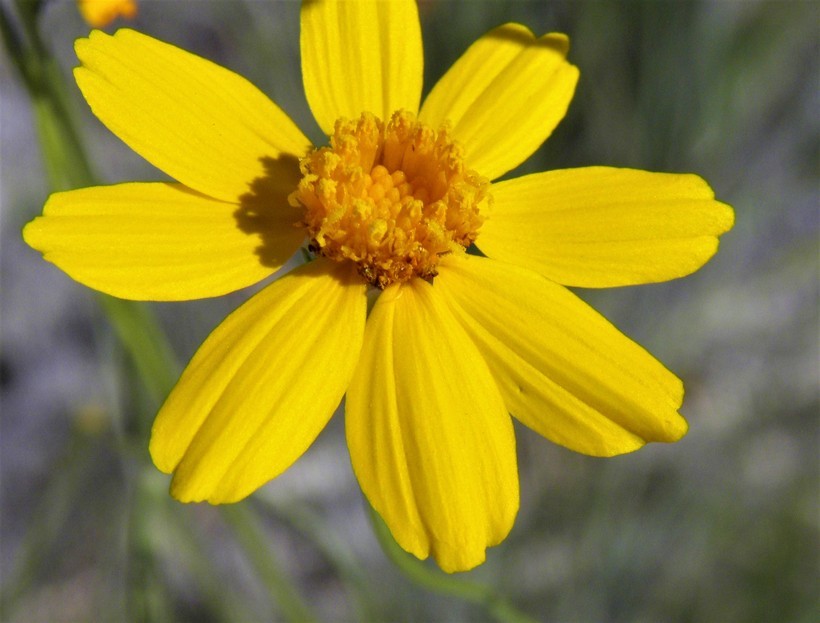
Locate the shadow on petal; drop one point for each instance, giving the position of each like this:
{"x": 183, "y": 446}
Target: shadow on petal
{"x": 265, "y": 210}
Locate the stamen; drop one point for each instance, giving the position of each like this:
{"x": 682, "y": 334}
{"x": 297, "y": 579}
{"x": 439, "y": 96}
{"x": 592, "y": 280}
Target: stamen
{"x": 391, "y": 197}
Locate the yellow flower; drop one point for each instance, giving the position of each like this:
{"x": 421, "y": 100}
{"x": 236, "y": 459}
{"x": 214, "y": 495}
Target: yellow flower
{"x": 100, "y": 13}
{"x": 454, "y": 342}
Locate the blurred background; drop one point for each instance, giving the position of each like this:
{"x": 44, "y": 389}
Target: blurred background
{"x": 722, "y": 526}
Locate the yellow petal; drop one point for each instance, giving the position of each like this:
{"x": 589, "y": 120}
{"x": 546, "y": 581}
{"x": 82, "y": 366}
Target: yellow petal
{"x": 562, "y": 368}
{"x": 200, "y": 123}
{"x": 599, "y": 227}
{"x": 263, "y": 385}
{"x": 504, "y": 96}
{"x": 160, "y": 241}
{"x": 363, "y": 56}
{"x": 430, "y": 439}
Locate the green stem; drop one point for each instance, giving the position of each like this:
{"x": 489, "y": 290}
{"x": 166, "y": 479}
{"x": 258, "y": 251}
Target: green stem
{"x": 147, "y": 599}
{"x": 190, "y": 548}
{"x": 426, "y": 577}
{"x": 67, "y": 167}
{"x": 255, "y": 543}
{"x": 138, "y": 331}
{"x": 49, "y": 520}
{"x": 304, "y": 520}
{"x": 63, "y": 154}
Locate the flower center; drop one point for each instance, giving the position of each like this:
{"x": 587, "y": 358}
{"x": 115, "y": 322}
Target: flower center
{"x": 391, "y": 197}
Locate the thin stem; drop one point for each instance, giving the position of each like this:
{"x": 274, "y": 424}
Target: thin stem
{"x": 304, "y": 520}
{"x": 67, "y": 167}
{"x": 138, "y": 331}
{"x": 422, "y": 575}
{"x": 63, "y": 154}
{"x": 49, "y": 519}
{"x": 147, "y": 599}
{"x": 255, "y": 543}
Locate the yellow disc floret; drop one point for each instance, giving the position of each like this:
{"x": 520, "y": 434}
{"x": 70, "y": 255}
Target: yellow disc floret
{"x": 391, "y": 197}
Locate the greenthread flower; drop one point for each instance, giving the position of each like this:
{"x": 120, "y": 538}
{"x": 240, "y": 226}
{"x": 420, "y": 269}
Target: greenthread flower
{"x": 454, "y": 342}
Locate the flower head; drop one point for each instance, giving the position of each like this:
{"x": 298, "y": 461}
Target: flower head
{"x": 100, "y": 13}
{"x": 455, "y": 342}
{"x": 392, "y": 197}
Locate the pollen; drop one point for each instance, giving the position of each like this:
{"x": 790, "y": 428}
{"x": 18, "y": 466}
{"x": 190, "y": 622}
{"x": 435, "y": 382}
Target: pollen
{"x": 392, "y": 197}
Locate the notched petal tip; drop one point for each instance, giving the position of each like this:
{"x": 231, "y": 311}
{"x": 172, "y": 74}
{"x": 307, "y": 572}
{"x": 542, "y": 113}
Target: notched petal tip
{"x": 179, "y": 489}
{"x": 83, "y": 44}
{"x": 522, "y": 35}
{"x": 453, "y": 559}
{"x": 695, "y": 188}
{"x": 188, "y": 491}
{"x": 558, "y": 41}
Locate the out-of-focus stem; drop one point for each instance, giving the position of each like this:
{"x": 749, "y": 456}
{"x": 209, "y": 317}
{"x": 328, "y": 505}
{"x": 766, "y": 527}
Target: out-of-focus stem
{"x": 67, "y": 167}
{"x": 254, "y": 542}
{"x": 424, "y": 576}
{"x": 304, "y": 520}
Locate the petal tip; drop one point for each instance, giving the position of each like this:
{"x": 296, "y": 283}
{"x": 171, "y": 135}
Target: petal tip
{"x": 725, "y": 217}
{"x": 159, "y": 455}
{"x": 183, "y": 490}
{"x": 83, "y": 43}
{"x": 558, "y": 41}
{"x": 452, "y": 560}
{"x": 673, "y": 430}
{"x": 29, "y": 233}
{"x": 514, "y": 30}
